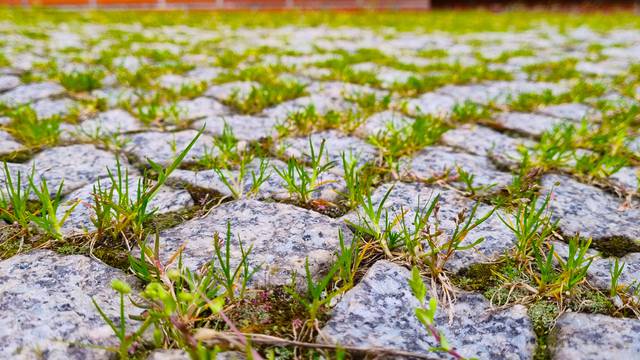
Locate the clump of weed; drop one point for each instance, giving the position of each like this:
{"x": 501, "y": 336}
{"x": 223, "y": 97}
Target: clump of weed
{"x": 32, "y": 131}
{"x": 80, "y": 81}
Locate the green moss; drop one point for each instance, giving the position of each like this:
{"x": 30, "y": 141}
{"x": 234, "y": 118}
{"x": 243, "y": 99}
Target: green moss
{"x": 543, "y": 315}
{"x": 617, "y": 246}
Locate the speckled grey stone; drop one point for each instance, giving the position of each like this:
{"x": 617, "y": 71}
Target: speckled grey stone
{"x": 76, "y": 165}
{"x": 573, "y": 112}
{"x": 282, "y": 236}
{"x": 380, "y": 312}
{"x": 441, "y": 161}
{"x": 79, "y": 220}
{"x": 594, "y": 337}
{"x": 498, "y": 92}
{"x": 592, "y": 212}
{"x": 47, "y": 108}
{"x": 117, "y": 96}
{"x": 431, "y": 104}
{"x": 273, "y": 188}
{"x": 8, "y": 143}
{"x": 173, "y": 81}
{"x": 338, "y": 89}
{"x": 335, "y": 144}
{"x": 8, "y": 82}
{"x": 199, "y": 108}
{"x": 483, "y": 141}
{"x": 222, "y": 92}
{"x": 30, "y": 92}
{"x": 627, "y": 178}
{"x": 204, "y": 73}
{"x": 244, "y": 127}
{"x": 45, "y": 305}
{"x": 163, "y": 147}
{"x": 382, "y": 121}
{"x": 527, "y": 123}
{"x": 115, "y": 121}
{"x": 321, "y": 103}
{"x": 408, "y": 198}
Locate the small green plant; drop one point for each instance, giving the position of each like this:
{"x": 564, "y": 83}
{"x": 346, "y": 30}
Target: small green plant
{"x": 302, "y": 182}
{"x": 527, "y": 102}
{"x": 28, "y": 129}
{"x": 531, "y": 226}
{"x": 237, "y": 183}
{"x": 426, "y": 314}
{"x": 120, "y": 329}
{"x": 120, "y": 210}
{"x": 357, "y": 184}
{"x": 548, "y": 275}
{"x": 224, "y": 271}
{"x": 264, "y": 96}
{"x": 468, "y": 179}
{"x": 47, "y": 218}
{"x": 469, "y": 111}
{"x": 553, "y": 71}
{"x": 394, "y": 143}
{"x": 369, "y": 102}
{"x": 371, "y": 221}
{"x": 80, "y": 81}
{"x": 615, "y": 271}
{"x": 412, "y": 235}
{"x": 556, "y": 147}
{"x": 14, "y": 199}
{"x": 348, "y": 261}
{"x": 317, "y": 293}
{"x": 574, "y": 268}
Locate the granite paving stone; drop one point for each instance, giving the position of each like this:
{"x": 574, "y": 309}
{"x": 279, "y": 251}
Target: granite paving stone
{"x": 46, "y": 306}
{"x": 384, "y": 294}
{"x": 594, "y": 337}
{"x": 281, "y": 238}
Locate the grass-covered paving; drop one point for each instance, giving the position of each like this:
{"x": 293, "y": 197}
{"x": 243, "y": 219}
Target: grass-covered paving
{"x": 283, "y": 185}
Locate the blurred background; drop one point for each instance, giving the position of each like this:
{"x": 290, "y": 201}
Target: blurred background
{"x": 334, "y": 4}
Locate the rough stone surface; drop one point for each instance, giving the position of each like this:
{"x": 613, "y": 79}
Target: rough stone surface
{"x": 431, "y": 104}
{"x": 115, "y": 121}
{"x": 281, "y": 236}
{"x": 526, "y": 123}
{"x": 47, "y": 108}
{"x": 80, "y": 203}
{"x": 443, "y": 162}
{"x": 241, "y": 89}
{"x": 334, "y": 145}
{"x": 30, "y": 92}
{"x": 72, "y": 166}
{"x": 573, "y": 112}
{"x": 45, "y": 303}
{"x": 8, "y": 143}
{"x": 591, "y": 212}
{"x": 380, "y": 312}
{"x": 244, "y": 127}
{"x": 199, "y": 108}
{"x": 275, "y": 188}
{"x": 627, "y": 178}
{"x": 408, "y": 199}
{"x": 163, "y": 147}
{"x": 594, "y": 337}
{"x": 382, "y": 121}
{"x": 483, "y": 141}
{"x": 8, "y": 82}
